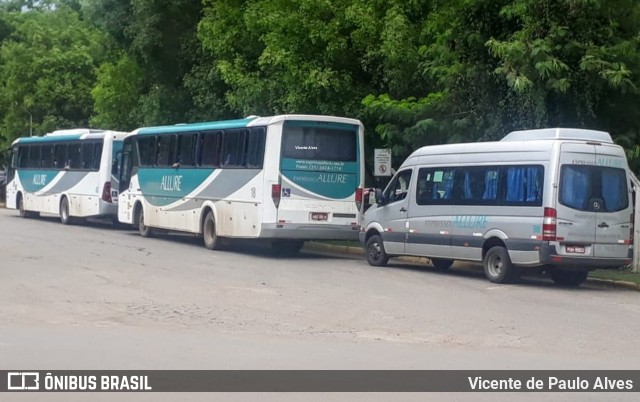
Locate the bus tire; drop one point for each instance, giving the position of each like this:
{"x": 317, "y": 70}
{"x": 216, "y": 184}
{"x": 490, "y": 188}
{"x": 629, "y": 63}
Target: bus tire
{"x": 143, "y": 229}
{"x": 376, "y": 255}
{"x": 65, "y": 218}
{"x": 566, "y": 278}
{"x": 286, "y": 248}
{"x": 211, "y": 240}
{"x": 498, "y": 267}
{"x": 23, "y": 212}
{"x": 441, "y": 264}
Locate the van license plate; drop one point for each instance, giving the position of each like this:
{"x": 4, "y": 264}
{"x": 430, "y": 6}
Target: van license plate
{"x": 575, "y": 249}
{"x": 319, "y": 216}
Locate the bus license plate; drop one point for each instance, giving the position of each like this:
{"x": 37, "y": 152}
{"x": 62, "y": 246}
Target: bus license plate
{"x": 319, "y": 216}
{"x": 575, "y": 249}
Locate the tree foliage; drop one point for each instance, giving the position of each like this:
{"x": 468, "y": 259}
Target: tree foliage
{"x": 416, "y": 72}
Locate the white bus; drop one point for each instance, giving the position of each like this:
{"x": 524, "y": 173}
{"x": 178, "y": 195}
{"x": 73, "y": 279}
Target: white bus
{"x": 70, "y": 173}
{"x": 554, "y": 198}
{"x": 287, "y": 178}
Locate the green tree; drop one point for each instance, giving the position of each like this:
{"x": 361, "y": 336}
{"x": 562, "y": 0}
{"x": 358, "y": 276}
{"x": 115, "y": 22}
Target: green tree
{"x": 47, "y": 71}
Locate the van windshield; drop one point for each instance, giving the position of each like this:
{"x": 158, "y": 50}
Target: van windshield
{"x": 582, "y": 187}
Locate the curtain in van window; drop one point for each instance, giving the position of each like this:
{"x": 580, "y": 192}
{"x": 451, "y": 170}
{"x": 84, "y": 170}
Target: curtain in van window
{"x": 614, "y": 189}
{"x": 523, "y": 184}
{"x": 490, "y": 185}
{"x": 515, "y": 184}
{"x": 533, "y": 185}
{"x": 575, "y": 187}
{"x": 468, "y": 194}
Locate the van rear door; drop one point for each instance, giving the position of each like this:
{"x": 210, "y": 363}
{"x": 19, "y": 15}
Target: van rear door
{"x": 613, "y": 217}
{"x": 576, "y": 220}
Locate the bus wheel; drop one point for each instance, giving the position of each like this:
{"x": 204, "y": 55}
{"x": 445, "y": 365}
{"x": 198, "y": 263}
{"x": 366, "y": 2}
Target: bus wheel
{"x": 570, "y": 279}
{"x": 442, "y": 264}
{"x": 65, "y": 219}
{"x": 376, "y": 255}
{"x": 145, "y": 231}
{"x": 286, "y": 248}
{"x": 23, "y": 213}
{"x": 498, "y": 267}
{"x": 211, "y": 240}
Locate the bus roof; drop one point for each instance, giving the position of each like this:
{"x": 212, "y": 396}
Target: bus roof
{"x": 240, "y": 123}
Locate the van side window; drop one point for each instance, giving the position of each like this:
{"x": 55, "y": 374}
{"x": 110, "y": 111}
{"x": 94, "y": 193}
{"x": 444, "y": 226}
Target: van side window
{"x": 436, "y": 186}
{"x": 514, "y": 185}
{"x": 399, "y": 187}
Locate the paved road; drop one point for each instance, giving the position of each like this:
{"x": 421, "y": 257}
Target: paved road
{"x": 83, "y": 297}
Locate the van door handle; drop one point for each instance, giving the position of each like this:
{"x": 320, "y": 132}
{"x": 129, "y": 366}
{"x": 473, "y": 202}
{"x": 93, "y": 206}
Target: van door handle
{"x": 603, "y": 225}
{"x": 403, "y": 209}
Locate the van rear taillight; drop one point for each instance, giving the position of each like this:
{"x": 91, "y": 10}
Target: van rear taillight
{"x": 106, "y": 192}
{"x": 549, "y": 224}
{"x": 358, "y": 198}
{"x": 276, "y": 191}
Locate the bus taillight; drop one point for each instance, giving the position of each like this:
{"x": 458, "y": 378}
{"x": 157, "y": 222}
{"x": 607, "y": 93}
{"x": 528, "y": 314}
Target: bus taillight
{"x": 276, "y": 191}
{"x": 106, "y": 192}
{"x": 549, "y": 224}
{"x": 359, "y": 198}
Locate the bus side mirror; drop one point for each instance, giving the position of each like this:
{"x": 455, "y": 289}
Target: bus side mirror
{"x": 380, "y": 198}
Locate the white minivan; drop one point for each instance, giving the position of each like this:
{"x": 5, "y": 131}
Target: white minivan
{"x": 555, "y": 198}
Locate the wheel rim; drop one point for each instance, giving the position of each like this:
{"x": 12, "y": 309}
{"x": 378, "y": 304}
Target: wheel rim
{"x": 495, "y": 265}
{"x": 65, "y": 211}
{"x": 375, "y": 251}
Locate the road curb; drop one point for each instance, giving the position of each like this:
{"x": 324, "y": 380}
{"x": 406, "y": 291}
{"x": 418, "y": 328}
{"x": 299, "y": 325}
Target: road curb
{"x": 350, "y": 250}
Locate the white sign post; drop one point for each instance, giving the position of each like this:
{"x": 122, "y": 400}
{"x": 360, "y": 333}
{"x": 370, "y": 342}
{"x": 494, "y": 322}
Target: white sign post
{"x": 382, "y": 162}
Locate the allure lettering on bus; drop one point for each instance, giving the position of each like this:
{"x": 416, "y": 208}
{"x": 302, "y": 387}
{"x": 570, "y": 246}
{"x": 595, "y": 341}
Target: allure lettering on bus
{"x": 39, "y": 179}
{"x": 171, "y": 183}
{"x": 332, "y": 178}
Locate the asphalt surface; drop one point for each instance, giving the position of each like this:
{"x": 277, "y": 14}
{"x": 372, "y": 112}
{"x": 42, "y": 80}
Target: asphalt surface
{"x": 96, "y": 297}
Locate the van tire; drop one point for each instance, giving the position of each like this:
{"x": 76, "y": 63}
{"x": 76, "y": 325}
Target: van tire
{"x": 65, "y": 218}
{"x": 376, "y": 255}
{"x": 498, "y": 267}
{"x": 441, "y": 264}
{"x": 143, "y": 229}
{"x": 211, "y": 240}
{"x": 569, "y": 279}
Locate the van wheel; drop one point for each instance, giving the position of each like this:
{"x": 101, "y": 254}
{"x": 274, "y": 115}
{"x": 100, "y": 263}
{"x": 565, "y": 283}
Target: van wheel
{"x": 286, "y": 248}
{"x": 376, "y": 255}
{"x": 211, "y": 240}
{"x": 145, "y": 231}
{"x": 498, "y": 267}
{"x": 442, "y": 264}
{"x": 65, "y": 218}
{"x": 570, "y": 279}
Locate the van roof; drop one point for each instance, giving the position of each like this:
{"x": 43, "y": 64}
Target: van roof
{"x": 559, "y": 134}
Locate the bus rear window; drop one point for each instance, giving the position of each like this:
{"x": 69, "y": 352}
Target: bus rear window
{"x": 319, "y": 143}
{"x": 581, "y": 185}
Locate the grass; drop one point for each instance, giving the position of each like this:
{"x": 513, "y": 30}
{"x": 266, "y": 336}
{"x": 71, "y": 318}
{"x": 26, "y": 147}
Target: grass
{"x": 622, "y": 274}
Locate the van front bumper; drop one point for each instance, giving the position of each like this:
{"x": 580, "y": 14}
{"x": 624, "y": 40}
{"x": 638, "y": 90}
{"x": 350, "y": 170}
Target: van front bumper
{"x": 549, "y": 256}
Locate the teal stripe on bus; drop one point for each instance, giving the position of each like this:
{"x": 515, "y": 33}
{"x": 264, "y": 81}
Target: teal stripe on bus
{"x": 326, "y": 178}
{"x": 181, "y": 128}
{"x": 54, "y": 138}
{"x": 163, "y": 186}
{"x": 34, "y": 180}
{"x": 321, "y": 124}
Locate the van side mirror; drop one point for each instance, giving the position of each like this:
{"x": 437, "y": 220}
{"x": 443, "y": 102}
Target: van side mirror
{"x": 380, "y": 198}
